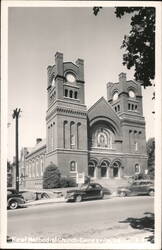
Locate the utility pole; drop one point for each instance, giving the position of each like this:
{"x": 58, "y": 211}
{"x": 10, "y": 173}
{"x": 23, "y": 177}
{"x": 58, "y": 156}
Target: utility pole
{"x": 15, "y": 115}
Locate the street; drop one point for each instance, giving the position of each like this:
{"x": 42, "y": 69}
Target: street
{"x": 107, "y": 219}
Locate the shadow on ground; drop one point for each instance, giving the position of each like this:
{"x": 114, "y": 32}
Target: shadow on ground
{"x": 145, "y": 223}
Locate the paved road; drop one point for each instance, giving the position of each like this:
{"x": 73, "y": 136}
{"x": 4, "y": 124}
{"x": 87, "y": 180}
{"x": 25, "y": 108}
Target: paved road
{"x": 91, "y": 219}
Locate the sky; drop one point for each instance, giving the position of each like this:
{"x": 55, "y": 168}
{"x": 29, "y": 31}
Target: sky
{"x": 35, "y": 35}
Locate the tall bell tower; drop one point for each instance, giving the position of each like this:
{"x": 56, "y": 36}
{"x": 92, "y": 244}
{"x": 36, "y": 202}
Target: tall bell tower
{"x": 66, "y": 118}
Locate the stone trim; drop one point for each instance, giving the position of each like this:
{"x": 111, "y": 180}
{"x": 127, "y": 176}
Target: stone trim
{"x": 66, "y": 111}
{"x": 63, "y": 150}
{"x": 119, "y": 154}
{"x": 35, "y": 151}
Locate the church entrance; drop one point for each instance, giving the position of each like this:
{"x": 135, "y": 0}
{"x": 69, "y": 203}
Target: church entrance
{"x": 92, "y": 169}
{"x": 104, "y": 169}
{"x": 116, "y": 170}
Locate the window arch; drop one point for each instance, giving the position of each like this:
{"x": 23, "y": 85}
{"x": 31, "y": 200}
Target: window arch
{"x": 103, "y": 138}
{"x": 72, "y": 134}
{"x": 76, "y": 95}
{"x": 92, "y": 168}
{"x": 65, "y": 134}
{"x": 73, "y": 166}
{"x": 137, "y": 168}
{"x": 66, "y": 92}
{"x": 71, "y": 94}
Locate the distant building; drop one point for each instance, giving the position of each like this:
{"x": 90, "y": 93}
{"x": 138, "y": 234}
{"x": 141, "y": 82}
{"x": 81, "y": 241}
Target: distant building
{"x": 106, "y": 141}
{"x": 11, "y": 174}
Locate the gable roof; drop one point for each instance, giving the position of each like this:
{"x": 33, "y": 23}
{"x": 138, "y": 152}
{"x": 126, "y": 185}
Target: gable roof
{"x": 103, "y": 111}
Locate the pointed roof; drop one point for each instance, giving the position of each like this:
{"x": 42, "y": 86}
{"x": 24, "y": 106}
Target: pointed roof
{"x": 103, "y": 111}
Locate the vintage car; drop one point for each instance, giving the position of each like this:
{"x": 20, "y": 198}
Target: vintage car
{"x": 14, "y": 199}
{"x": 86, "y": 191}
{"x": 139, "y": 187}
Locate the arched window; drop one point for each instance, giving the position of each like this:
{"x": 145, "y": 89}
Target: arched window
{"x": 72, "y": 134}
{"x": 73, "y": 166}
{"x": 129, "y": 106}
{"x": 71, "y": 94}
{"x": 116, "y": 169}
{"x": 137, "y": 168}
{"x": 72, "y": 140}
{"x": 66, "y": 92}
{"x": 76, "y": 95}
{"x": 79, "y": 135}
{"x": 104, "y": 169}
{"x": 91, "y": 169}
{"x": 65, "y": 134}
{"x": 102, "y": 140}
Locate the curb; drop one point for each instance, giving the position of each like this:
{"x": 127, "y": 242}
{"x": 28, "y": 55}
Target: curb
{"x": 43, "y": 202}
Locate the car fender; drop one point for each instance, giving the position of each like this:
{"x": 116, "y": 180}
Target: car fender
{"x": 124, "y": 190}
{"x": 19, "y": 200}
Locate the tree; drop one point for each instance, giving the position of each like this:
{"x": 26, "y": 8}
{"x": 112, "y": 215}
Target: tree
{"x": 150, "y": 147}
{"x": 139, "y": 45}
{"x": 51, "y": 177}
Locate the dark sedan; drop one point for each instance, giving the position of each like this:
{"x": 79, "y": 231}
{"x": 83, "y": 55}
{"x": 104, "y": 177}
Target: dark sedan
{"x": 139, "y": 187}
{"x": 87, "y": 191}
{"x": 14, "y": 200}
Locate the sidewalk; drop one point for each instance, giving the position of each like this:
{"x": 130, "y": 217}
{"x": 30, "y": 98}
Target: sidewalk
{"x": 56, "y": 200}
{"x": 44, "y": 201}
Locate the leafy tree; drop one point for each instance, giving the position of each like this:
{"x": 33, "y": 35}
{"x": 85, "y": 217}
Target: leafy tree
{"x": 150, "y": 147}
{"x": 51, "y": 177}
{"x": 139, "y": 44}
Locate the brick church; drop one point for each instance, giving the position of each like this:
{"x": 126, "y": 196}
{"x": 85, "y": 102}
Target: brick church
{"x": 106, "y": 141}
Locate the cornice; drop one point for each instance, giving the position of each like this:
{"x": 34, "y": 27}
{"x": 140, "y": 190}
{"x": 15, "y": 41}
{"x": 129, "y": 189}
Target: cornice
{"x": 65, "y": 110}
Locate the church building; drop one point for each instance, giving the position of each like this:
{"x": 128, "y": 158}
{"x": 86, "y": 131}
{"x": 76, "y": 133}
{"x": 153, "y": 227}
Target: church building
{"x": 106, "y": 141}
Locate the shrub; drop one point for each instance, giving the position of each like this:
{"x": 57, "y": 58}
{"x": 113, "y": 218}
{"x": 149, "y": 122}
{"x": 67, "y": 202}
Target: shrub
{"x": 63, "y": 182}
{"x": 51, "y": 177}
{"x": 67, "y": 182}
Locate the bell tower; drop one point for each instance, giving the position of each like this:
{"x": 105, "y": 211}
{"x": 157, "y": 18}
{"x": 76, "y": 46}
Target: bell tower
{"x": 66, "y": 116}
{"x": 125, "y": 97}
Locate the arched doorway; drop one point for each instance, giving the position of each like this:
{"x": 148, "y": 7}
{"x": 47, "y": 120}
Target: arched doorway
{"x": 104, "y": 169}
{"x": 92, "y": 168}
{"x": 116, "y": 169}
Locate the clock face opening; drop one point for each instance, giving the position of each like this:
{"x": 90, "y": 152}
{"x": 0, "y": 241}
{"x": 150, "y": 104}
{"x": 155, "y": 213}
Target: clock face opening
{"x": 131, "y": 94}
{"x": 70, "y": 77}
{"x": 115, "y": 96}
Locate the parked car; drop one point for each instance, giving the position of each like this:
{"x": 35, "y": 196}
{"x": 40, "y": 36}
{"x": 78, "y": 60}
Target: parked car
{"x": 86, "y": 191}
{"x": 14, "y": 199}
{"x": 138, "y": 187}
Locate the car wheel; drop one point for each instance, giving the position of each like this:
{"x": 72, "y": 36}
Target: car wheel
{"x": 123, "y": 194}
{"x": 13, "y": 204}
{"x": 44, "y": 195}
{"x": 78, "y": 198}
{"x": 151, "y": 192}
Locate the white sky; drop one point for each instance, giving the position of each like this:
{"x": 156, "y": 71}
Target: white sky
{"x": 35, "y": 35}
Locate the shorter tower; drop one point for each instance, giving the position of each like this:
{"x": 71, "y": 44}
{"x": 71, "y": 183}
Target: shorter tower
{"x": 125, "y": 97}
{"x": 66, "y": 117}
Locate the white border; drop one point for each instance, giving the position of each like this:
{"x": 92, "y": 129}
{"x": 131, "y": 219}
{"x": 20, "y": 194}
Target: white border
{"x": 4, "y": 90}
